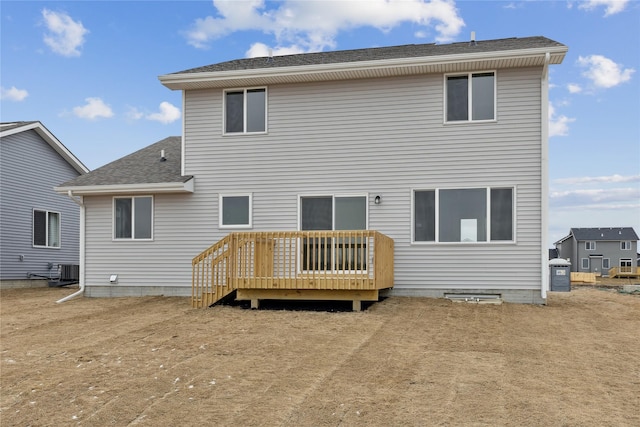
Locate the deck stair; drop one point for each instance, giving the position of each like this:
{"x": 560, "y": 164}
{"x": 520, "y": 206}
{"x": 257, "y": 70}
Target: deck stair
{"x": 305, "y": 265}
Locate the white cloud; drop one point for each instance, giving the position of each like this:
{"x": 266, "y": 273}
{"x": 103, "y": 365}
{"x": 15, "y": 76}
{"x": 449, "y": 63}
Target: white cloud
{"x": 611, "y": 6}
{"x": 93, "y": 109}
{"x": 558, "y": 124}
{"x": 603, "y": 72}
{"x": 260, "y": 49}
{"x": 13, "y": 94}
{"x": 596, "y": 198}
{"x": 574, "y": 88}
{"x": 597, "y": 179}
{"x": 312, "y": 26}
{"x": 134, "y": 114}
{"x": 65, "y": 36}
{"x": 168, "y": 113}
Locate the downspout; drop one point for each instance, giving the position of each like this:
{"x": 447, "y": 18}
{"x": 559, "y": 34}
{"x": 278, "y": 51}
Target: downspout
{"x": 80, "y": 202}
{"x": 544, "y": 131}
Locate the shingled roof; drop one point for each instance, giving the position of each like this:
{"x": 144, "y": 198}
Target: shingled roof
{"x": 372, "y": 63}
{"x": 378, "y": 53}
{"x": 143, "y": 169}
{"x": 604, "y": 234}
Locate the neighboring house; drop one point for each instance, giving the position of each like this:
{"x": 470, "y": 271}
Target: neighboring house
{"x": 442, "y": 148}
{"x": 596, "y": 250}
{"x": 39, "y": 229}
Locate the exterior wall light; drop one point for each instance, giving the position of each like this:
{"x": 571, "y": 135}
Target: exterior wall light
{"x": 377, "y": 200}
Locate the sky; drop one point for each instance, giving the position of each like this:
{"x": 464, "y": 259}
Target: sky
{"x": 88, "y": 70}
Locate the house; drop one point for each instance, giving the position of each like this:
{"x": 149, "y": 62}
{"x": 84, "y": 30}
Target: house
{"x": 597, "y": 250}
{"x": 39, "y": 229}
{"x": 434, "y": 157}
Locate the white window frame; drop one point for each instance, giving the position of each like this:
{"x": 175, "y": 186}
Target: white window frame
{"x": 46, "y": 230}
{"x": 584, "y": 265}
{"x": 244, "y": 113}
{"x": 133, "y": 215}
{"x": 625, "y": 245}
{"x": 606, "y": 263}
{"x": 221, "y": 197}
{"x": 626, "y": 268}
{"x": 470, "y": 119}
{"x": 590, "y": 245}
{"x": 333, "y": 206}
{"x": 333, "y": 196}
{"x": 488, "y": 216}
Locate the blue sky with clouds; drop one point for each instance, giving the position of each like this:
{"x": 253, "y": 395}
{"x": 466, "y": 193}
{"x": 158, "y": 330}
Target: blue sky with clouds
{"x": 88, "y": 71}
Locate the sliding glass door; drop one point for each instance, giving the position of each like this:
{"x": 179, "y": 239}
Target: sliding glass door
{"x": 339, "y": 254}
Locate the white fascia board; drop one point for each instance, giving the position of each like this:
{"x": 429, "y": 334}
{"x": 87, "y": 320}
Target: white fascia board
{"x": 155, "y": 188}
{"x": 175, "y": 81}
{"x": 53, "y": 142}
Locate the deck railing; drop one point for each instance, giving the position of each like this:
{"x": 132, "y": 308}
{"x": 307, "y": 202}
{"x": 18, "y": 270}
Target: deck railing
{"x": 624, "y": 271}
{"x": 317, "y": 260}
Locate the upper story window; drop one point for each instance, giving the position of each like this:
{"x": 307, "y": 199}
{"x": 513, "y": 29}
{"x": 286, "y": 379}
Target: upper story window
{"x": 235, "y": 211}
{"x": 46, "y": 229}
{"x": 590, "y": 246}
{"x": 133, "y": 218}
{"x": 625, "y": 246}
{"x": 245, "y": 110}
{"x": 463, "y": 215}
{"x": 470, "y": 97}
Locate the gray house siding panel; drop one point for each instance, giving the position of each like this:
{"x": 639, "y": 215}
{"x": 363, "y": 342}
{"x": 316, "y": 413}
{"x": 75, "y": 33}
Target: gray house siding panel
{"x": 164, "y": 261}
{"x": 399, "y": 143}
{"x": 377, "y": 137}
{"x": 29, "y": 170}
{"x": 603, "y": 249}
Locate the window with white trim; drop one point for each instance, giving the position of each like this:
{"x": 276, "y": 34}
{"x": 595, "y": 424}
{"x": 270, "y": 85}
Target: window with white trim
{"x": 235, "y": 210}
{"x": 626, "y": 265}
{"x": 470, "y": 97}
{"x": 332, "y": 212}
{"x": 590, "y": 246}
{"x": 625, "y": 246}
{"x": 606, "y": 263}
{"x": 463, "y": 215}
{"x": 245, "y": 110}
{"x": 46, "y": 229}
{"x": 585, "y": 263}
{"x": 133, "y": 218}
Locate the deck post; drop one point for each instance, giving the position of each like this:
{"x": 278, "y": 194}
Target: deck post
{"x": 255, "y": 303}
{"x": 357, "y": 305}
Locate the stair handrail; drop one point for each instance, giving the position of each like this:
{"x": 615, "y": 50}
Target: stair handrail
{"x": 206, "y": 278}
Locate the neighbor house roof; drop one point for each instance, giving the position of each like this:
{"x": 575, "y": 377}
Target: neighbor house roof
{"x": 12, "y": 128}
{"x": 602, "y": 234}
{"x": 144, "y": 171}
{"x": 372, "y": 62}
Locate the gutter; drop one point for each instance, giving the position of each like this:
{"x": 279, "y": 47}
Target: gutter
{"x": 80, "y": 202}
{"x": 110, "y": 189}
{"x": 544, "y": 171}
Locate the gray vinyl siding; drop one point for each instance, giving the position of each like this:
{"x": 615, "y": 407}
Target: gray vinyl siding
{"x": 29, "y": 170}
{"x": 163, "y": 261}
{"x": 377, "y": 137}
{"x": 604, "y": 249}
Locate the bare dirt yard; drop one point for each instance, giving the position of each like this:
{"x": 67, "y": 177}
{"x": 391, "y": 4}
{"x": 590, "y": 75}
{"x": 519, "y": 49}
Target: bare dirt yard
{"x": 401, "y": 362}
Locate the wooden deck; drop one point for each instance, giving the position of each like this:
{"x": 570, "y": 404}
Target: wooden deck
{"x": 624, "y": 272}
{"x": 306, "y": 265}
